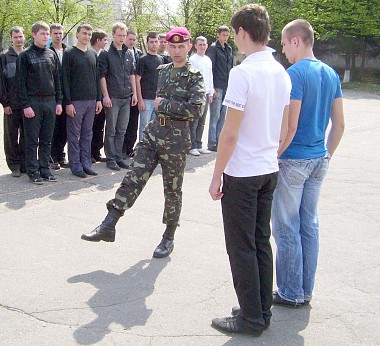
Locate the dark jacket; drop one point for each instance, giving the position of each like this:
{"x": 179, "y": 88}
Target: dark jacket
{"x": 37, "y": 74}
{"x": 222, "y": 62}
{"x": 117, "y": 69}
{"x": 10, "y": 95}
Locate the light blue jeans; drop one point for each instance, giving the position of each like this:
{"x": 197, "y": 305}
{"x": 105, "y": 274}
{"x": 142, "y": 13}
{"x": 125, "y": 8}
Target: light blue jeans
{"x": 295, "y": 226}
{"x": 217, "y": 117}
{"x": 146, "y": 116}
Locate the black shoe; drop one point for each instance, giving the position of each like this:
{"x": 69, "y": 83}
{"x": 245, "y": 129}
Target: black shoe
{"x": 164, "y": 249}
{"x": 49, "y": 177}
{"x": 122, "y": 164}
{"x": 236, "y": 324}
{"x": 35, "y": 178}
{"x": 98, "y": 158}
{"x": 101, "y": 232}
{"x": 112, "y": 165}
{"x": 64, "y": 163}
{"x": 89, "y": 171}
{"x": 16, "y": 173}
{"x": 213, "y": 148}
{"x": 106, "y": 231}
{"x": 80, "y": 174}
{"x": 236, "y": 309}
{"x": 277, "y": 300}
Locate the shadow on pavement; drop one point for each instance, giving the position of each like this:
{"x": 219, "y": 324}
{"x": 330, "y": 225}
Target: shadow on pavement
{"x": 120, "y": 298}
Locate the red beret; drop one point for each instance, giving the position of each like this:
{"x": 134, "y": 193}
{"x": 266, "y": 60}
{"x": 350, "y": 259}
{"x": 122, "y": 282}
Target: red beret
{"x": 178, "y": 35}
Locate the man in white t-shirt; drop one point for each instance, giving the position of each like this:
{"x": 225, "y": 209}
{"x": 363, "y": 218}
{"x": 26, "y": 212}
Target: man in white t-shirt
{"x": 203, "y": 63}
{"x": 257, "y": 98}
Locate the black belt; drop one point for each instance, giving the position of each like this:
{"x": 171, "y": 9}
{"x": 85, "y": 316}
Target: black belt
{"x": 165, "y": 121}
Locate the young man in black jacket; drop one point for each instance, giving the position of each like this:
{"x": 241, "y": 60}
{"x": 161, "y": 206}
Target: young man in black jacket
{"x": 13, "y": 123}
{"x": 38, "y": 80}
{"x": 82, "y": 97}
{"x": 118, "y": 85}
{"x": 220, "y": 53}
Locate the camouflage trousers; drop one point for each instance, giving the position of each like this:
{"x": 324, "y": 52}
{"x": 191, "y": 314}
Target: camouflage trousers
{"x": 164, "y": 145}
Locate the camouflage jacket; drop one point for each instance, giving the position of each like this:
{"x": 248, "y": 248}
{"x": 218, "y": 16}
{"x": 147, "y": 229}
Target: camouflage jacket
{"x": 184, "y": 94}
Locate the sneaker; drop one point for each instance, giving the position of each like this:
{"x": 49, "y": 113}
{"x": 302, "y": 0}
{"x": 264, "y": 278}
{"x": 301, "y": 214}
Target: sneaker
{"x": 35, "y": 178}
{"x": 112, "y": 165}
{"x": 213, "y": 148}
{"x": 278, "y": 300}
{"x": 122, "y": 164}
{"x": 54, "y": 165}
{"x": 236, "y": 309}
{"x": 49, "y": 177}
{"x": 16, "y": 173}
{"x": 204, "y": 151}
{"x": 194, "y": 152}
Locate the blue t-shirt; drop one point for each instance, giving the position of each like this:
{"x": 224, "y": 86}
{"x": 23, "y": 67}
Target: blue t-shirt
{"x": 317, "y": 85}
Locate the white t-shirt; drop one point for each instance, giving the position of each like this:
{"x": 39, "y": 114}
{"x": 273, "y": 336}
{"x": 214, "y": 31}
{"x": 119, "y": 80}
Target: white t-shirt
{"x": 260, "y": 87}
{"x": 204, "y": 64}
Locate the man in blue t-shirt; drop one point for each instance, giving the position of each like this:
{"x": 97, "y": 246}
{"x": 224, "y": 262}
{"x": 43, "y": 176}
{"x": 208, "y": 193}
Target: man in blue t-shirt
{"x": 316, "y": 98}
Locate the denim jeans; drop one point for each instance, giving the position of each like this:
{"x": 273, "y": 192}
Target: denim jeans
{"x": 146, "y": 116}
{"x": 217, "y": 117}
{"x": 246, "y": 209}
{"x": 117, "y": 118}
{"x": 197, "y": 127}
{"x": 295, "y": 226}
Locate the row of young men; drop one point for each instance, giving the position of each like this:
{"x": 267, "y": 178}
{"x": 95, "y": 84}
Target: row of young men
{"x": 272, "y": 147}
{"x": 74, "y": 75}
{"x": 120, "y": 91}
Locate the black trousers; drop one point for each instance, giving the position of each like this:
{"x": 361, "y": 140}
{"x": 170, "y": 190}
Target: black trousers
{"x": 246, "y": 209}
{"x": 131, "y": 133}
{"x": 97, "y": 142}
{"x": 38, "y": 133}
{"x": 59, "y": 137}
{"x": 14, "y": 140}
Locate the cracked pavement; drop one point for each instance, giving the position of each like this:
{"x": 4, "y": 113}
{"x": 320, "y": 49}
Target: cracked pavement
{"x": 56, "y": 289}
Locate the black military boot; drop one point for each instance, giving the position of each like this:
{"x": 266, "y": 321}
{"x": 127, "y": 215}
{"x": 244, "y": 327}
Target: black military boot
{"x": 106, "y": 231}
{"x": 166, "y": 246}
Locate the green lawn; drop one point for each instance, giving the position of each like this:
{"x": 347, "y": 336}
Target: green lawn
{"x": 362, "y": 86}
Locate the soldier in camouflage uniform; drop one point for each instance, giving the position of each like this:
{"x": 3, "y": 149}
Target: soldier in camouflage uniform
{"x": 180, "y": 99}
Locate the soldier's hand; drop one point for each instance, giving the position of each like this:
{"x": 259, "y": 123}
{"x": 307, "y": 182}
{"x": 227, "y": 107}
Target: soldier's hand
{"x": 214, "y": 189}
{"x": 157, "y": 102}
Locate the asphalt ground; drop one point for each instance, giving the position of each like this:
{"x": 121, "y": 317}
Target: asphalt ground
{"x": 56, "y": 289}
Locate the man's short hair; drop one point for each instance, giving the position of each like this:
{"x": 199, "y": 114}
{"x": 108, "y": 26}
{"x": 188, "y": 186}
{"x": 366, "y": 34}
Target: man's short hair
{"x": 254, "y": 19}
{"x": 56, "y": 26}
{"x": 84, "y": 26}
{"x": 200, "y": 38}
{"x": 162, "y": 36}
{"x": 300, "y": 28}
{"x": 223, "y": 28}
{"x": 16, "y": 29}
{"x": 120, "y": 26}
{"x": 40, "y": 25}
{"x": 97, "y": 34}
{"x": 131, "y": 32}
{"x": 151, "y": 35}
